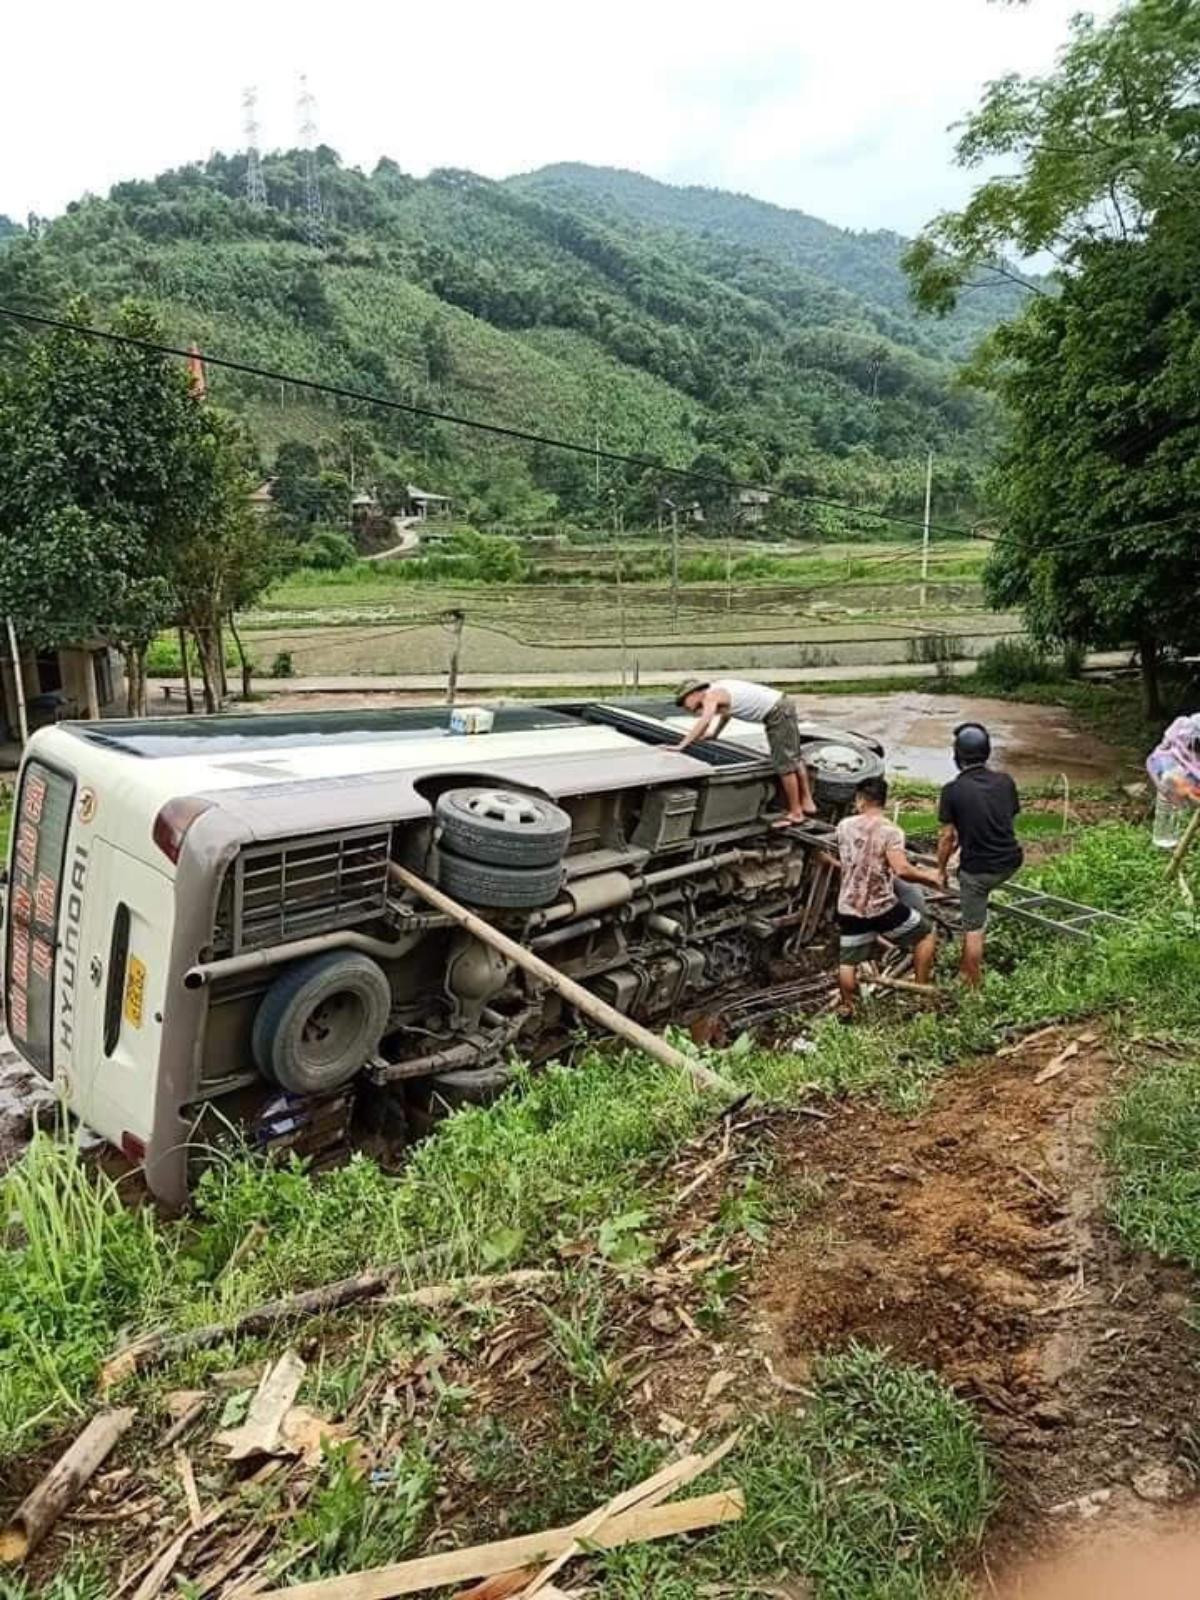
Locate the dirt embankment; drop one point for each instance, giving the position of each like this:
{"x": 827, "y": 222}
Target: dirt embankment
{"x": 972, "y": 1239}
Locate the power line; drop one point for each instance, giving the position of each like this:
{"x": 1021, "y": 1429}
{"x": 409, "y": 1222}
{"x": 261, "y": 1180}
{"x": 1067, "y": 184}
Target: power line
{"x": 500, "y": 430}
{"x": 523, "y": 435}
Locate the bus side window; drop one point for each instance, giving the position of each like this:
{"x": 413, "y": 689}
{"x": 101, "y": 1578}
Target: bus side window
{"x": 118, "y": 957}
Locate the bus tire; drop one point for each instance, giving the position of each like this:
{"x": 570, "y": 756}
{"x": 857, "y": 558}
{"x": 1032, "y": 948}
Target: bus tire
{"x": 498, "y": 888}
{"x": 320, "y": 1021}
{"x": 504, "y": 827}
{"x": 837, "y": 766}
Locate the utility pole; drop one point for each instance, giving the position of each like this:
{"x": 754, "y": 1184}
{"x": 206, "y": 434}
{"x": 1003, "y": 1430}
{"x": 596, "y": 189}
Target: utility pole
{"x": 256, "y": 189}
{"x": 925, "y": 535}
{"x": 597, "y": 464}
{"x": 674, "y": 560}
{"x": 455, "y": 620}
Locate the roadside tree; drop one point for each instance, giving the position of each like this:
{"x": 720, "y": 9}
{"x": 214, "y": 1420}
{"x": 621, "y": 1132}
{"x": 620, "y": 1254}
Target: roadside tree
{"x": 1097, "y": 488}
{"x": 115, "y": 480}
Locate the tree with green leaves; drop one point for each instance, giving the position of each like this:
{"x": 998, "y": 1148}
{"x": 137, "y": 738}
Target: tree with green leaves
{"x": 1098, "y": 487}
{"x": 1093, "y": 152}
{"x": 115, "y": 477}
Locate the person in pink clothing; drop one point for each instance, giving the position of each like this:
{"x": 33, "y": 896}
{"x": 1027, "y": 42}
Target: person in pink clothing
{"x": 871, "y": 852}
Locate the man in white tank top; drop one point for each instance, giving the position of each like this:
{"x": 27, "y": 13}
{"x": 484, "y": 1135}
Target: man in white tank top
{"x": 716, "y": 703}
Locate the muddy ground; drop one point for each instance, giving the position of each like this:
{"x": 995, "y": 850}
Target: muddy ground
{"x": 972, "y": 1239}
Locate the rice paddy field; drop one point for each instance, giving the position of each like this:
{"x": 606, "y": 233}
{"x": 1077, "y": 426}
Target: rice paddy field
{"x": 580, "y": 610}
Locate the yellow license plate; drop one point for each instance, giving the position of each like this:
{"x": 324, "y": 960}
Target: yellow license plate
{"x": 135, "y": 991}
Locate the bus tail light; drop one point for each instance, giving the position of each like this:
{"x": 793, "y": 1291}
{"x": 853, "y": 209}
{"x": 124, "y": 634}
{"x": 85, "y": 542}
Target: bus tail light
{"x": 133, "y": 1148}
{"x": 173, "y": 821}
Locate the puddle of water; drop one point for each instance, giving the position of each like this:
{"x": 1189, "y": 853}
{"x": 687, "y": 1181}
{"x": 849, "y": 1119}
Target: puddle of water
{"x": 917, "y": 730}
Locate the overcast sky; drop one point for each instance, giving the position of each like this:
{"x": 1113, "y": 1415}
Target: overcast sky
{"x": 838, "y": 107}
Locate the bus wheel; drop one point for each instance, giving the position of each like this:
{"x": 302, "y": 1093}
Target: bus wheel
{"x": 320, "y": 1021}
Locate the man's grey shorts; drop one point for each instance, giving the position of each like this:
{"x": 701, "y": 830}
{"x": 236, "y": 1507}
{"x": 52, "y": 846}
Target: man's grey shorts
{"x": 855, "y": 948}
{"x": 973, "y": 891}
{"x": 783, "y": 735}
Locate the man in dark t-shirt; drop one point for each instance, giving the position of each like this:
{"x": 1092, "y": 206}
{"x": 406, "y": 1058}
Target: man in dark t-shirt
{"x": 976, "y": 813}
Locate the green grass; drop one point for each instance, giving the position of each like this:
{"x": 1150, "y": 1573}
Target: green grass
{"x": 881, "y": 1479}
{"x": 83, "y": 1576}
{"x": 1030, "y": 825}
{"x": 1153, "y": 1145}
{"x": 869, "y": 1490}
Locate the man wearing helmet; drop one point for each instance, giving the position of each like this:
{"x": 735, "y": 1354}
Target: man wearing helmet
{"x": 976, "y": 812}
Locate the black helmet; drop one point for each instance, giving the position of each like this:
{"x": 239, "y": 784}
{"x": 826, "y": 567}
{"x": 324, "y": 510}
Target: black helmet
{"x": 972, "y": 744}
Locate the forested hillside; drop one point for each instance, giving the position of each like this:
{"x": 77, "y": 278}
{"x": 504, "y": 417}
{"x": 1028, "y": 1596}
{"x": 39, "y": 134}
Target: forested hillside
{"x": 784, "y": 256}
{"x": 685, "y": 325}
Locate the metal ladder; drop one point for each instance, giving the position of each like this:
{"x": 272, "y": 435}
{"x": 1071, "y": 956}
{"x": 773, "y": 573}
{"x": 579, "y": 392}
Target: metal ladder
{"x": 1047, "y": 911}
{"x": 1052, "y": 912}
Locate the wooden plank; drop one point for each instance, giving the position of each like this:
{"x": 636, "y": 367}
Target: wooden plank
{"x": 504, "y": 1555}
{"x": 650, "y": 1492}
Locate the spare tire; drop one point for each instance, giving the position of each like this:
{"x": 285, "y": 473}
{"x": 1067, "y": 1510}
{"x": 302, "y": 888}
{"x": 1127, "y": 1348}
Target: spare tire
{"x": 837, "y": 767}
{"x": 482, "y": 883}
{"x": 825, "y": 732}
{"x": 320, "y": 1021}
{"x": 503, "y": 826}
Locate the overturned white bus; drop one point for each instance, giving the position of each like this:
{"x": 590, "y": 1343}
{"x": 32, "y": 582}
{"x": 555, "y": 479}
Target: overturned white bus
{"x": 201, "y": 934}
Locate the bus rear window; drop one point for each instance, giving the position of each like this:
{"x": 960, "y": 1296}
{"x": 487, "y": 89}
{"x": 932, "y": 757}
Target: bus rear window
{"x": 41, "y": 823}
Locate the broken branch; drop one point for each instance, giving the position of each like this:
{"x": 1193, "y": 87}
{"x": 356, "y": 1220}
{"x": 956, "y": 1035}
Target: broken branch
{"x": 158, "y": 1347}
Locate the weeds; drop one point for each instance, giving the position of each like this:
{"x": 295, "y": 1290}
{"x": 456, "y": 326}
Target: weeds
{"x": 353, "y": 1521}
{"x": 1153, "y": 1145}
{"x": 82, "y": 1576}
{"x": 869, "y": 1492}
{"x": 76, "y": 1264}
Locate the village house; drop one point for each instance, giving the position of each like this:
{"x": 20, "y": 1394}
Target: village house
{"x": 75, "y": 681}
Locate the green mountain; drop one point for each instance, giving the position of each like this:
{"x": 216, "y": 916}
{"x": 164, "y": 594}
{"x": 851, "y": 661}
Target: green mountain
{"x": 686, "y": 325}
{"x": 774, "y": 253}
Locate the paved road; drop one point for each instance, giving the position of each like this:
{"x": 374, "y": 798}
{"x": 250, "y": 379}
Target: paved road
{"x": 435, "y": 683}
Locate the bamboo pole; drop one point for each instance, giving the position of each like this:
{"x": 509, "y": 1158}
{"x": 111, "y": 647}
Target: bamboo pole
{"x": 158, "y": 1347}
{"x": 582, "y": 999}
{"x": 507, "y": 1555}
{"x": 1175, "y": 865}
{"x": 18, "y": 683}
{"x": 43, "y": 1506}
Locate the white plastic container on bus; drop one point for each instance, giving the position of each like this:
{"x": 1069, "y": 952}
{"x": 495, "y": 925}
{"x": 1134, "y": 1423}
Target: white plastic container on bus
{"x": 471, "y": 719}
